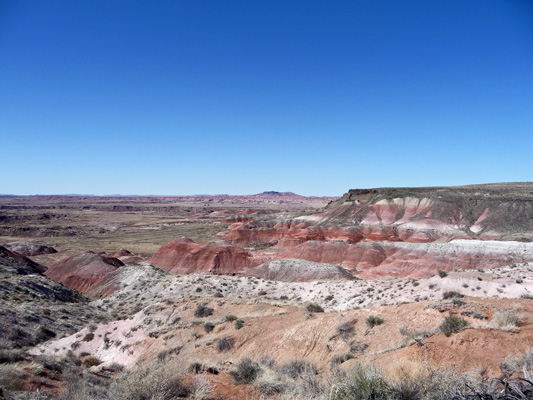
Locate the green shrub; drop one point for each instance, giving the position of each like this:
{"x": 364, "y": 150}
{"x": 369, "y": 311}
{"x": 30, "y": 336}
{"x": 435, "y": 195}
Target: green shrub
{"x": 164, "y": 354}
{"x": 247, "y": 371}
{"x": 208, "y": 327}
{"x": 442, "y": 273}
{"x": 296, "y": 368}
{"x": 52, "y": 363}
{"x": 269, "y": 384}
{"x": 196, "y": 368}
{"x": 507, "y": 320}
{"x": 90, "y": 361}
{"x": 314, "y": 308}
{"x": 451, "y": 294}
{"x": 230, "y": 318}
{"x": 115, "y": 367}
{"x": 239, "y": 324}
{"x": 452, "y": 324}
{"x": 267, "y": 361}
{"x": 88, "y": 337}
{"x": 8, "y": 356}
{"x": 340, "y": 358}
{"x": 224, "y": 344}
{"x": 43, "y": 333}
{"x": 373, "y": 320}
{"x": 202, "y": 310}
{"x": 363, "y": 383}
{"x": 345, "y": 330}
{"x": 10, "y": 377}
{"x": 154, "y": 382}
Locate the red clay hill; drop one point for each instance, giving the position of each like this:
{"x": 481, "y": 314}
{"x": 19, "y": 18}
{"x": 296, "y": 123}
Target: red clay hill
{"x": 84, "y": 271}
{"x": 182, "y": 256}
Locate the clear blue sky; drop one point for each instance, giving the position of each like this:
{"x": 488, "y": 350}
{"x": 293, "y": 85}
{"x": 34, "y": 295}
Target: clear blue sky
{"x": 238, "y": 97}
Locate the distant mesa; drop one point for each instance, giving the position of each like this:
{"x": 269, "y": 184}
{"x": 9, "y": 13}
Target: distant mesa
{"x": 83, "y": 271}
{"x": 29, "y": 249}
{"x": 418, "y": 215}
{"x": 273, "y": 193}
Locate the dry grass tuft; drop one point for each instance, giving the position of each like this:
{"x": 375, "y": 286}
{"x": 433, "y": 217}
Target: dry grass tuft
{"x": 505, "y": 320}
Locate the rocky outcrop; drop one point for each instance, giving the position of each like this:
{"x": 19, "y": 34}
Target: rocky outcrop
{"x": 84, "y": 271}
{"x": 18, "y": 264}
{"x": 30, "y": 249}
{"x": 296, "y": 270}
{"x": 182, "y": 256}
{"x": 34, "y": 308}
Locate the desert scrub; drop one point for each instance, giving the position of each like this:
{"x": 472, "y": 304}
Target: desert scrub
{"x": 88, "y": 337}
{"x": 197, "y": 368}
{"x": 345, "y": 330}
{"x": 452, "y": 294}
{"x": 224, "y": 344}
{"x": 151, "y": 382}
{"x": 412, "y": 335}
{"x": 43, "y": 333}
{"x": 230, "y": 318}
{"x": 239, "y": 324}
{"x": 339, "y": 359}
{"x": 246, "y": 372}
{"x": 90, "y": 361}
{"x": 267, "y": 361}
{"x": 296, "y": 368}
{"x": 165, "y": 354}
{"x": 208, "y": 327}
{"x": 452, "y": 324}
{"x": 361, "y": 383}
{"x": 442, "y": 273}
{"x": 11, "y": 378}
{"x": 269, "y": 383}
{"x": 202, "y": 310}
{"x": 373, "y": 320}
{"x": 506, "y": 320}
{"x": 314, "y": 308}
{"x": 516, "y": 364}
{"x": 8, "y": 356}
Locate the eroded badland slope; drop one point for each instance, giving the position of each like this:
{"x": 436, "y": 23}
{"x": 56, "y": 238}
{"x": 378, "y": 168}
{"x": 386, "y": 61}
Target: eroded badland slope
{"x": 414, "y": 293}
